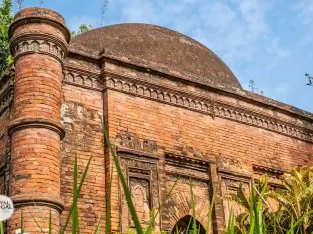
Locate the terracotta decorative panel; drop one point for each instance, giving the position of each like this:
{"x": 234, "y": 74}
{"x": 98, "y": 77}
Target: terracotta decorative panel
{"x": 142, "y": 175}
{"x": 232, "y": 173}
{"x": 180, "y": 172}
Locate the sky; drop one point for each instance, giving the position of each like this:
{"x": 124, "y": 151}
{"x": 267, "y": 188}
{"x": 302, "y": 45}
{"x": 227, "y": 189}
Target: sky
{"x": 268, "y": 41}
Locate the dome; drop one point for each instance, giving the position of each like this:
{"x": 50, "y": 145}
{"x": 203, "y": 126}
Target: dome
{"x": 160, "y": 49}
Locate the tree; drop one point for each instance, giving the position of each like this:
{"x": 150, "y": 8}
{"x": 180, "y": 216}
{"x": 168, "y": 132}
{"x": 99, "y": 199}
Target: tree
{"x": 6, "y": 19}
{"x": 82, "y": 29}
{"x": 310, "y": 79}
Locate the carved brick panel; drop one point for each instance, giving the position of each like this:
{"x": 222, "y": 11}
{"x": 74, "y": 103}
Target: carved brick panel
{"x": 232, "y": 173}
{"x": 274, "y": 175}
{"x": 86, "y": 80}
{"x": 181, "y": 171}
{"x": 130, "y": 140}
{"x": 38, "y": 46}
{"x": 142, "y": 175}
{"x": 231, "y": 165}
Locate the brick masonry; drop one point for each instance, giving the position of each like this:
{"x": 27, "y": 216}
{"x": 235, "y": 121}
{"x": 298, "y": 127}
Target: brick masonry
{"x": 164, "y": 130}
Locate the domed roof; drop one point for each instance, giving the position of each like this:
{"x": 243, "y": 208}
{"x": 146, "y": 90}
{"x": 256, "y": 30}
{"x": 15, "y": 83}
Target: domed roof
{"x": 160, "y": 49}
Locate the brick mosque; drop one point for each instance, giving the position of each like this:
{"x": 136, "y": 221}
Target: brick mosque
{"x": 172, "y": 108}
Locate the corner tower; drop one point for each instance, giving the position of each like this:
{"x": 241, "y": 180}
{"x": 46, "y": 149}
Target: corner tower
{"x": 39, "y": 42}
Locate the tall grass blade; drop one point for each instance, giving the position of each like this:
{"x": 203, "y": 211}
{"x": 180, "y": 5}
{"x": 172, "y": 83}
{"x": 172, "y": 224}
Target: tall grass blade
{"x": 300, "y": 220}
{"x": 210, "y": 212}
{"x": 50, "y": 223}
{"x": 189, "y": 223}
{"x": 97, "y": 231}
{"x": 108, "y": 209}
{"x": 74, "y": 216}
{"x": 231, "y": 224}
{"x": 76, "y": 195}
{"x": 194, "y": 223}
{"x": 1, "y": 227}
{"x": 252, "y": 205}
{"x": 124, "y": 185}
{"x": 177, "y": 231}
{"x": 22, "y": 222}
{"x": 36, "y": 222}
{"x": 163, "y": 201}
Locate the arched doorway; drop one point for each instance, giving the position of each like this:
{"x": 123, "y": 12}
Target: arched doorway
{"x": 182, "y": 225}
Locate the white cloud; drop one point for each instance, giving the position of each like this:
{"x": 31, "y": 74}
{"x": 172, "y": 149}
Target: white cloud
{"x": 237, "y": 30}
{"x": 277, "y": 53}
{"x": 303, "y": 10}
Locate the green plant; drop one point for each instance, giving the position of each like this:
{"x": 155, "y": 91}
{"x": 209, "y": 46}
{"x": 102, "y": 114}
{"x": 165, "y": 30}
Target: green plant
{"x": 294, "y": 213}
{"x": 296, "y": 200}
{"x": 82, "y": 29}
{"x": 6, "y": 19}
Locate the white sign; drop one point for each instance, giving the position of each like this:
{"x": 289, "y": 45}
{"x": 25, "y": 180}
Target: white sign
{"x": 6, "y": 208}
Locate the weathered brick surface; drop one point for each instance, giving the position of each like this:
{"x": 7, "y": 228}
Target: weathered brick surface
{"x": 191, "y": 134}
{"x": 38, "y": 90}
{"x": 176, "y": 129}
{"x": 81, "y": 113}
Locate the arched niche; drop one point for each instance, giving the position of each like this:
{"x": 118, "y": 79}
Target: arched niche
{"x": 185, "y": 223}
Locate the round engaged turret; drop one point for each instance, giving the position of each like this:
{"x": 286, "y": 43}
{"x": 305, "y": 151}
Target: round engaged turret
{"x": 39, "y": 42}
{"x": 39, "y": 30}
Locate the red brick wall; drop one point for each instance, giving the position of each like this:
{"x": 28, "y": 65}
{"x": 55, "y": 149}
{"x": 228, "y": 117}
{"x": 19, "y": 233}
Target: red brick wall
{"x": 176, "y": 129}
{"x": 187, "y": 133}
{"x": 81, "y": 112}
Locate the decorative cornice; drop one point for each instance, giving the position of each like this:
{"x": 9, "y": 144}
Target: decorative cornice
{"x": 139, "y": 153}
{"x": 83, "y": 79}
{"x": 205, "y": 105}
{"x": 267, "y": 170}
{"x": 236, "y": 177}
{"x": 19, "y": 124}
{"x": 41, "y": 44}
{"x": 186, "y": 178}
{"x": 125, "y": 139}
{"x": 187, "y": 162}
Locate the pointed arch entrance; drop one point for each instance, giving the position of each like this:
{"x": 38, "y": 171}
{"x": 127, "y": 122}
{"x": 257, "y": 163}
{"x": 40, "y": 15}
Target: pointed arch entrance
{"x": 183, "y": 223}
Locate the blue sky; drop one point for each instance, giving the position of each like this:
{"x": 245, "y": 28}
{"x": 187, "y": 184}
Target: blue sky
{"x": 269, "y": 41}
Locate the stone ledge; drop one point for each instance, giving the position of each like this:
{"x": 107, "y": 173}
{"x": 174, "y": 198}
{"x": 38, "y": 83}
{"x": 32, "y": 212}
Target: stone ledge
{"x": 38, "y": 199}
{"x": 22, "y": 123}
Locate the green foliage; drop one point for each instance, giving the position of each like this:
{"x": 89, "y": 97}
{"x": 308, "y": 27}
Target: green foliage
{"x": 310, "y": 79}
{"x": 82, "y": 29}
{"x": 6, "y": 19}
{"x": 294, "y": 211}
{"x": 296, "y": 199}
